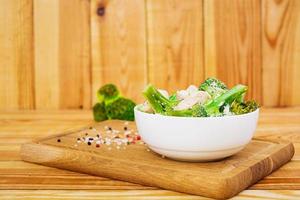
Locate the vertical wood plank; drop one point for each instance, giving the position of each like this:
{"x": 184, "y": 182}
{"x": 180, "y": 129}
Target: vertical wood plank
{"x": 46, "y": 34}
{"x": 233, "y": 43}
{"x": 74, "y": 55}
{"x": 118, "y": 46}
{"x": 175, "y": 43}
{"x": 16, "y": 55}
{"x": 281, "y": 52}
{"x": 62, "y": 44}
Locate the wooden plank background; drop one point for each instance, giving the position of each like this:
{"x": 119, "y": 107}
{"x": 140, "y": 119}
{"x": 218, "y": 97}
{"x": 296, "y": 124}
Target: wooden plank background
{"x": 55, "y": 54}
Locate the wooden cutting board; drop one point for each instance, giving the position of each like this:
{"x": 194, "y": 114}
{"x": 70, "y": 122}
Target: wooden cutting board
{"x": 117, "y": 152}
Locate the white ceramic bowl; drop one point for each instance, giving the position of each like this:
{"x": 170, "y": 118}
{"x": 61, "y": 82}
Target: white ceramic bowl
{"x": 196, "y": 138}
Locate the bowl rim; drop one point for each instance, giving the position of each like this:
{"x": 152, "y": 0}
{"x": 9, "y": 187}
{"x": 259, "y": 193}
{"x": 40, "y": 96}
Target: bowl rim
{"x": 178, "y": 117}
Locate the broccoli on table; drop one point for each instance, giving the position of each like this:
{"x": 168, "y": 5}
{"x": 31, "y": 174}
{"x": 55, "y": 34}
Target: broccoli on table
{"x": 121, "y": 108}
{"x": 213, "y": 86}
{"x": 108, "y": 93}
{"x": 99, "y": 112}
{"x": 112, "y": 105}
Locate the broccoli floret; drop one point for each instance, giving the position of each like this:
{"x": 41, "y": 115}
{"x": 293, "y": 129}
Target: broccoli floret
{"x": 239, "y": 108}
{"x": 99, "y": 112}
{"x": 213, "y": 106}
{"x": 214, "y": 87}
{"x": 108, "y": 93}
{"x": 121, "y": 108}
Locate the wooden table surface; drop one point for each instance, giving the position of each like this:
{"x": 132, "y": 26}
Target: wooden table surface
{"x": 20, "y": 180}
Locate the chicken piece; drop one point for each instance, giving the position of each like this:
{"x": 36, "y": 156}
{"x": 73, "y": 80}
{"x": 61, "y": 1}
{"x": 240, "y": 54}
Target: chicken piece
{"x": 191, "y": 100}
{"x": 146, "y": 107}
{"x": 182, "y": 94}
{"x": 192, "y": 89}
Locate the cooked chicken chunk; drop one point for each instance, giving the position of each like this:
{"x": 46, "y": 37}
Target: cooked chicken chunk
{"x": 191, "y": 100}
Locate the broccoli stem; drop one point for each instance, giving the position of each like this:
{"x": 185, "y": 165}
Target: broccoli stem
{"x": 158, "y": 102}
{"x": 213, "y": 106}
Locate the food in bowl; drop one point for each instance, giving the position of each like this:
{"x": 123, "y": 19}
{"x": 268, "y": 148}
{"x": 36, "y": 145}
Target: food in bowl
{"x": 202, "y": 123}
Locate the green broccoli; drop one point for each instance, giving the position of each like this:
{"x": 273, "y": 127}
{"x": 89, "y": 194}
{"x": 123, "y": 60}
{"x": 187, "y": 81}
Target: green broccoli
{"x": 239, "y": 108}
{"x": 112, "y": 105}
{"x": 108, "y": 93}
{"x": 99, "y": 112}
{"x": 158, "y": 102}
{"x": 214, "y": 87}
{"x": 121, "y": 108}
{"x": 213, "y": 107}
{"x": 165, "y": 106}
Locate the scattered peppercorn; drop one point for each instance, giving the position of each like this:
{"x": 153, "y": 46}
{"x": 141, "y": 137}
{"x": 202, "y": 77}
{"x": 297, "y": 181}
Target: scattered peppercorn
{"x": 89, "y": 143}
{"x": 58, "y": 140}
{"x": 125, "y": 128}
{"x": 109, "y": 128}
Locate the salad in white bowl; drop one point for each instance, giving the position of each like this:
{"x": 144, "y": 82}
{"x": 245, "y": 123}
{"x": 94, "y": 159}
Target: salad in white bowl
{"x": 202, "y": 123}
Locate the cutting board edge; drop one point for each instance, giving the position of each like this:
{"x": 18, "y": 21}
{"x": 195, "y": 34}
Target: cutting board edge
{"x": 286, "y": 152}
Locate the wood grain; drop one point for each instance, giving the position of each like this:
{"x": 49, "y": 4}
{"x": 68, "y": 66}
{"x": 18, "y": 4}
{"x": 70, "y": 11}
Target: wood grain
{"x": 232, "y": 43}
{"x": 119, "y": 46}
{"x": 175, "y": 43}
{"x": 281, "y": 52}
{"x": 62, "y": 54}
{"x": 43, "y": 182}
{"x": 16, "y": 55}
